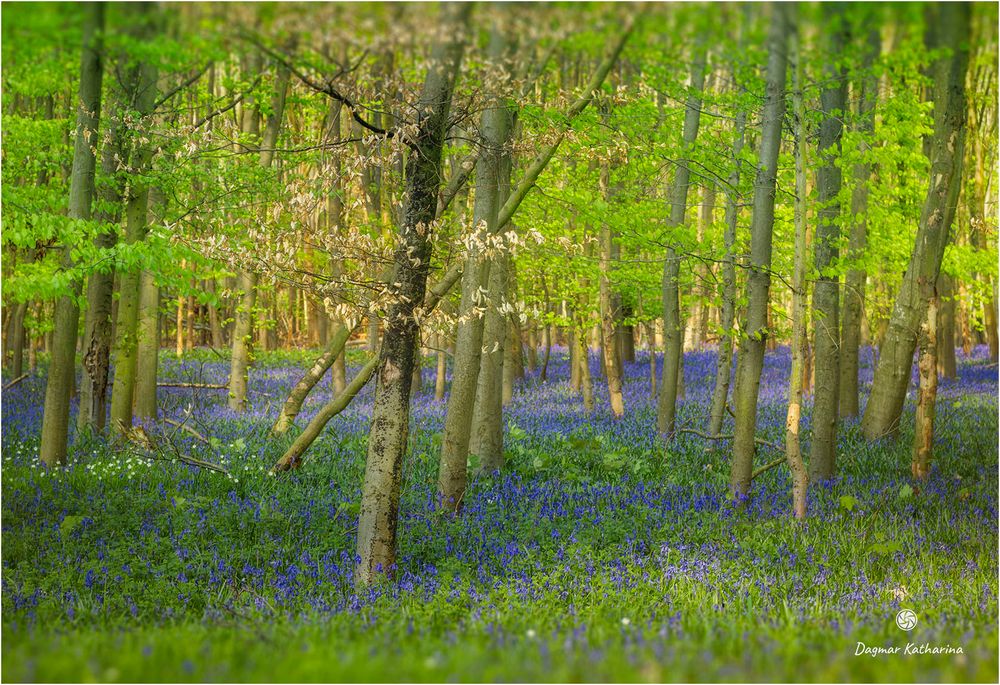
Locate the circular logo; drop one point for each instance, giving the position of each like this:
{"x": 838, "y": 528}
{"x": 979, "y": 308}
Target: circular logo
{"x": 906, "y": 620}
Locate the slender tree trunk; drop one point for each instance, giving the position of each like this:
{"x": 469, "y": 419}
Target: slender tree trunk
{"x": 793, "y": 448}
{"x": 496, "y": 129}
{"x": 293, "y": 403}
{"x": 666, "y": 407}
{"x": 391, "y": 412}
{"x": 218, "y": 340}
{"x": 442, "y": 369}
{"x": 609, "y": 314}
{"x": 136, "y": 227}
{"x": 148, "y": 333}
{"x": 854, "y": 291}
{"x": 754, "y": 337}
{"x": 724, "y": 363}
{"x": 58, "y": 389}
{"x": 947, "y": 365}
{"x": 826, "y": 292}
{"x": 923, "y": 437}
{"x": 118, "y": 150}
{"x": 242, "y": 329}
{"x": 487, "y": 423}
{"x": 892, "y": 374}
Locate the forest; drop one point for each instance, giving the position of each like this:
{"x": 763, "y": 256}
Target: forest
{"x": 393, "y": 342}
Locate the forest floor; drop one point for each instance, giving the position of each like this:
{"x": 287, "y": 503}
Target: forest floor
{"x": 595, "y": 556}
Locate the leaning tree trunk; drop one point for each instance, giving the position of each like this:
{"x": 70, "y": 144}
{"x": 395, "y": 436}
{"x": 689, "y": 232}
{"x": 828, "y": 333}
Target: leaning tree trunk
{"x": 892, "y": 374}
{"x": 826, "y": 292}
{"x": 667, "y": 405}
{"x": 750, "y": 361}
{"x": 496, "y": 128}
{"x": 854, "y": 290}
{"x": 55, "y": 418}
{"x": 391, "y": 412}
{"x": 242, "y": 329}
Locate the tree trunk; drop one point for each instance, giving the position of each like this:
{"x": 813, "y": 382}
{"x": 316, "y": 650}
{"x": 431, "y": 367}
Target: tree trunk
{"x": 117, "y": 150}
{"x": 854, "y": 291}
{"x": 136, "y": 227}
{"x": 923, "y": 436}
{"x": 826, "y": 292}
{"x": 496, "y": 128}
{"x": 148, "y": 333}
{"x": 609, "y": 313}
{"x": 892, "y": 374}
{"x": 242, "y": 329}
{"x": 391, "y": 412}
{"x": 750, "y": 361}
{"x": 724, "y": 363}
{"x": 666, "y": 407}
{"x": 55, "y": 419}
{"x": 293, "y": 403}
{"x": 486, "y": 440}
{"x": 945, "y": 343}
{"x": 442, "y": 369}
{"x": 218, "y": 341}
{"x": 793, "y": 448}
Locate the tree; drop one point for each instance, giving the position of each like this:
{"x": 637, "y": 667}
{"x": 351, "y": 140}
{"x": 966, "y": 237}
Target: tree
{"x": 750, "y": 360}
{"x": 895, "y": 362}
{"x": 672, "y": 327}
{"x": 390, "y": 416}
{"x": 826, "y": 291}
{"x": 55, "y": 419}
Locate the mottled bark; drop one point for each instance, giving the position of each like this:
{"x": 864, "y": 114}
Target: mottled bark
{"x": 136, "y": 227}
{"x": 391, "y": 412}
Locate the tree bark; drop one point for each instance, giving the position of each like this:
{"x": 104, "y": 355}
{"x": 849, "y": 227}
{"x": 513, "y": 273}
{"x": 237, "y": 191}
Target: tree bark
{"x": 136, "y": 228}
{"x": 724, "y": 362}
{"x": 243, "y": 327}
{"x": 496, "y": 127}
{"x": 923, "y": 436}
{"x": 854, "y": 290}
{"x": 750, "y": 361}
{"x": 946, "y": 362}
{"x": 666, "y": 407}
{"x": 892, "y": 374}
{"x": 826, "y": 292}
{"x": 391, "y": 412}
{"x": 609, "y": 313}
{"x": 58, "y": 388}
{"x": 793, "y": 448}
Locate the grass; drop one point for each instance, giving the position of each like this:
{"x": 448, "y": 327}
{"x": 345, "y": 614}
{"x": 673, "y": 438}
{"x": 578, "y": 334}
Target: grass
{"x": 596, "y": 556}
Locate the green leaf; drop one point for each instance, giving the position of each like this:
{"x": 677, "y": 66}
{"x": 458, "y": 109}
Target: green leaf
{"x": 848, "y": 502}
